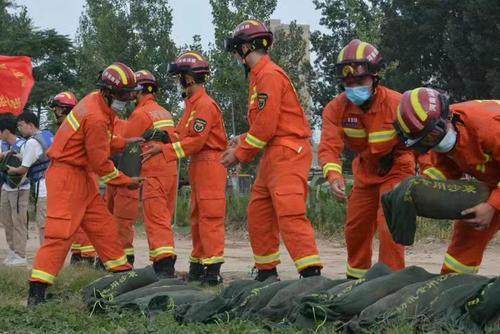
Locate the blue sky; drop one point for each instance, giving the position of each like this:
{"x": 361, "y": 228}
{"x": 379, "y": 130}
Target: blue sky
{"x": 63, "y": 15}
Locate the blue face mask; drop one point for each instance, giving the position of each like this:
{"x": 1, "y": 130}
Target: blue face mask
{"x": 358, "y": 95}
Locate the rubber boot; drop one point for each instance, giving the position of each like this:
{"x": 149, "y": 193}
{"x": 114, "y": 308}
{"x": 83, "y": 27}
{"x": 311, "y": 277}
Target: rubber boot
{"x": 36, "y": 294}
{"x": 212, "y": 275}
{"x": 264, "y": 274}
{"x": 196, "y": 272}
{"x": 131, "y": 259}
{"x": 165, "y": 268}
{"x": 310, "y": 271}
{"x": 76, "y": 258}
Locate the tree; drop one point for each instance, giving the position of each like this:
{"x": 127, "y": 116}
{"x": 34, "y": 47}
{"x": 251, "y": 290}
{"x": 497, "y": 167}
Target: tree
{"x": 228, "y": 83}
{"x": 451, "y": 45}
{"x": 134, "y": 32}
{"x": 52, "y": 54}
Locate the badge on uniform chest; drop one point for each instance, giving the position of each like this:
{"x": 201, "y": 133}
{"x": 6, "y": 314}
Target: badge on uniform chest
{"x": 262, "y": 98}
{"x": 350, "y": 122}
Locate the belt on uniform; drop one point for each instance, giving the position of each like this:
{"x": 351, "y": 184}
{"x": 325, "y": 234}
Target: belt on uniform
{"x": 294, "y": 143}
{"x": 206, "y": 155}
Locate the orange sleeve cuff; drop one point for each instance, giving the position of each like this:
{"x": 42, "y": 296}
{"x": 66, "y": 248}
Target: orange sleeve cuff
{"x": 494, "y": 199}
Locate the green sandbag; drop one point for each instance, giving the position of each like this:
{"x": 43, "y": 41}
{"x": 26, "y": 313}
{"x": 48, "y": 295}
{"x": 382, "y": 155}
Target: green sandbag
{"x": 345, "y": 306}
{"x": 106, "y": 288}
{"x": 418, "y": 196}
{"x": 285, "y": 300}
{"x": 486, "y": 305}
{"x": 448, "y": 308}
{"x": 149, "y": 289}
{"x": 167, "y": 298}
{"x": 156, "y": 135}
{"x": 409, "y": 302}
{"x": 131, "y": 161}
{"x": 208, "y": 311}
{"x": 11, "y": 160}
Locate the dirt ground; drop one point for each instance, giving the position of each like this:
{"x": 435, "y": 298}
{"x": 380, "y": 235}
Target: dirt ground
{"x": 426, "y": 253}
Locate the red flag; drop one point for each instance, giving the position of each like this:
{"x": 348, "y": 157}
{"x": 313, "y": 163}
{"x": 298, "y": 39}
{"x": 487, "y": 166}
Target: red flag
{"x": 16, "y": 81}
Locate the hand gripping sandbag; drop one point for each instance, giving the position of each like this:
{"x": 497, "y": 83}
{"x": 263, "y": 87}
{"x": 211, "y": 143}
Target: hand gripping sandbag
{"x": 11, "y": 160}
{"x": 156, "y": 135}
{"x": 418, "y": 196}
{"x": 130, "y": 162}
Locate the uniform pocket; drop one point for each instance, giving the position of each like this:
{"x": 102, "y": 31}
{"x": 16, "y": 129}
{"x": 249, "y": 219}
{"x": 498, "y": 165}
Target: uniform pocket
{"x": 212, "y": 204}
{"x": 289, "y": 201}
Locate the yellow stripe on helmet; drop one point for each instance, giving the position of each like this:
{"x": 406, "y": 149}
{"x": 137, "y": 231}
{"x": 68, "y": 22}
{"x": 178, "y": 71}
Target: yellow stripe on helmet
{"x": 197, "y": 56}
{"x": 360, "y": 51}
{"x": 417, "y": 106}
{"x": 120, "y": 72}
{"x": 401, "y": 121}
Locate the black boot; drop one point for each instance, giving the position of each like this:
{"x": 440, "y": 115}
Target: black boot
{"x": 164, "y": 268}
{"x": 196, "y": 272}
{"x": 212, "y": 275}
{"x": 75, "y": 258}
{"x": 131, "y": 259}
{"x": 36, "y": 294}
{"x": 264, "y": 274}
{"x": 311, "y": 271}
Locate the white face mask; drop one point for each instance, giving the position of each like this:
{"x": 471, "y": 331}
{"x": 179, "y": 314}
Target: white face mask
{"x": 118, "y": 106}
{"x": 447, "y": 143}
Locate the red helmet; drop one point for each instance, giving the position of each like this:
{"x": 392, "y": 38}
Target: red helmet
{"x": 191, "y": 63}
{"x": 64, "y": 100}
{"x": 252, "y": 32}
{"x": 118, "y": 78}
{"x": 147, "y": 81}
{"x": 422, "y": 117}
{"x": 358, "y": 59}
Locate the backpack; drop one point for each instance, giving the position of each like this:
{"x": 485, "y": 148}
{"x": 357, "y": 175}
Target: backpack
{"x": 37, "y": 171}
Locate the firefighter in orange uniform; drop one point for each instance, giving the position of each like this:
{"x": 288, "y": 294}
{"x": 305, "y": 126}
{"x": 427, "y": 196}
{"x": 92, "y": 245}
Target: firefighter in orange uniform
{"x": 463, "y": 138}
{"x": 81, "y": 248}
{"x": 361, "y": 118}
{"x": 122, "y": 202}
{"x": 160, "y": 185}
{"x": 82, "y": 143}
{"x": 279, "y": 125}
{"x": 202, "y": 137}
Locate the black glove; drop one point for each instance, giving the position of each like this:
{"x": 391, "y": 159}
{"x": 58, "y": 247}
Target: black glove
{"x": 156, "y": 135}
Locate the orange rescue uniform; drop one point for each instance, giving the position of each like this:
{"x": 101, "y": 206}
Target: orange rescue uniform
{"x": 371, "y": 135}
{"x": 202, "y": 137}
{"x": 81, "y": 244}
{"x": 160, "y": 185}
{"x": 81, "y": 143}
{"x": 122, "y": 202}
{"x": 477, "y": 153}
{"x": 278, "y": 200}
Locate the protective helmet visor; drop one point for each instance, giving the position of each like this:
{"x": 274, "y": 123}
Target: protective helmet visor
{"x": 353, "y": 69}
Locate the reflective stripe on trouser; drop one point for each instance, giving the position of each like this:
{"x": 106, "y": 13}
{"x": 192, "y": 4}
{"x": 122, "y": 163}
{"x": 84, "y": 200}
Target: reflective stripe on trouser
{"x": 465, "y": 252}
{"x": 82, "y": 241}
{"x": 278, "y": 207}
{"x": 354, "y": 272}
{"x": 123, "y": 203}
{"x": 208, "y": 208}
{"x": 364, "y": 217}
{"x": 73, "y": 193}
{"x": 158, "y": 198}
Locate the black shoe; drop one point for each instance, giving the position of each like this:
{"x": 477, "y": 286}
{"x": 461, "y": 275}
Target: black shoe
{"x": 196, "y": 272}
{"x": 164, "y": 268}
{"x": 36, "y": 294}
{"x": 264, "y": 274}
{"x": 75, "y": 258}
{"x": 311, "y": 271}
{"x": 349, "y": 277}
{"x": 131, "y": 259}
{"x": 212, "y": 275}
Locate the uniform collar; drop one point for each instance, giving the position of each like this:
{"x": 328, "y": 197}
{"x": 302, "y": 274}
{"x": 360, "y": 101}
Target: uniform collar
{"x": 104, "y": 105}
{"x": 261, "y": 64}
{"x": 199, "y": 93}
{"x": 145, "y": 100}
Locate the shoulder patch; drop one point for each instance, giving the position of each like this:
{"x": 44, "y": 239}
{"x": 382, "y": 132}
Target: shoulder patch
{"x": 262, "y": 97}
{"x": 199, "y": 125}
